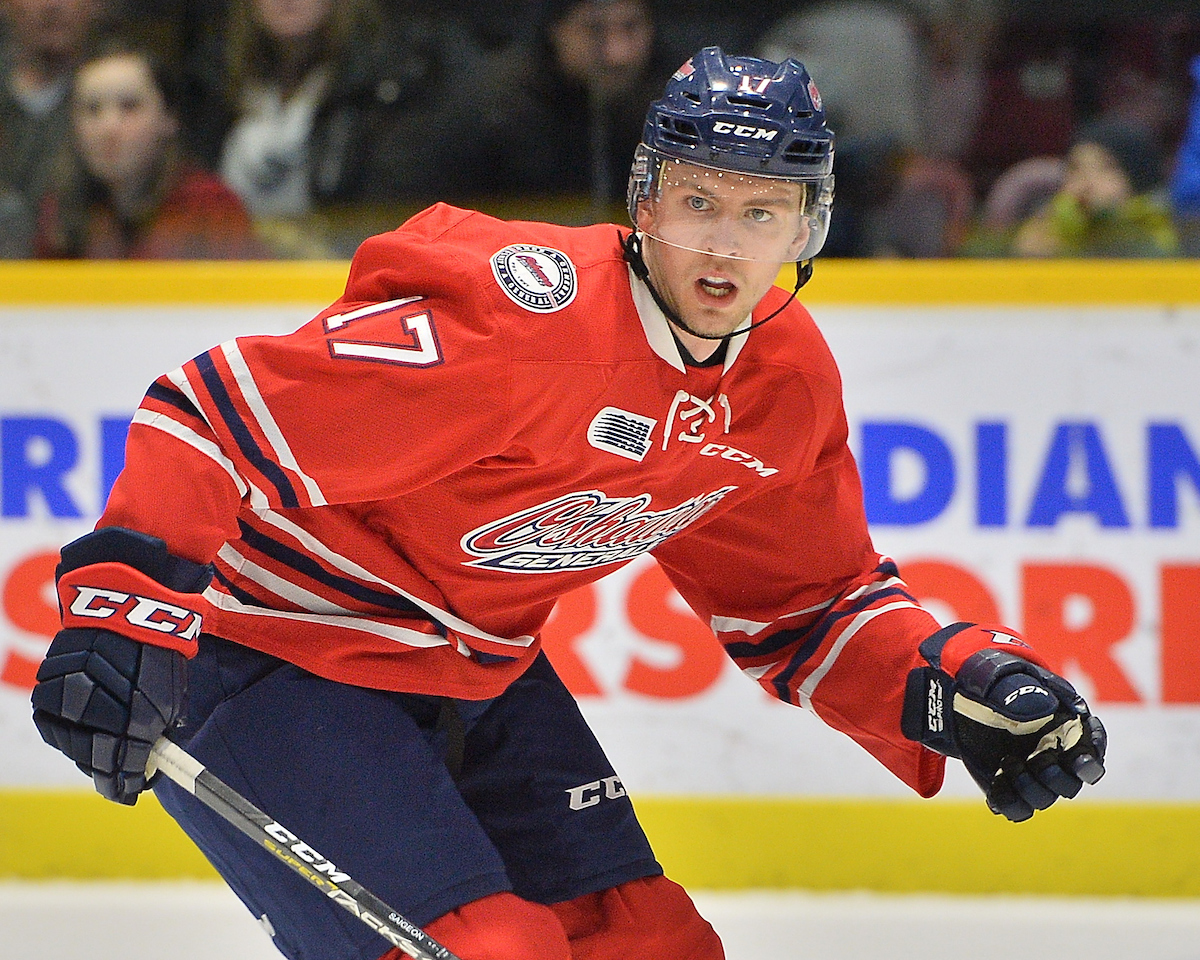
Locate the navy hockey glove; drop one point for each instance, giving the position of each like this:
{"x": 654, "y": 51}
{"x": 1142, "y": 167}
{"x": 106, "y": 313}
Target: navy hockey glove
{"x": 1023, "y": 733}
{"x": 103, "y": 698}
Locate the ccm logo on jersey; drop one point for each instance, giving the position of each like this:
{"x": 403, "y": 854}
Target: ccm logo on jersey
{"x": 733, "y": 454}
{"x": 96, "y": 603}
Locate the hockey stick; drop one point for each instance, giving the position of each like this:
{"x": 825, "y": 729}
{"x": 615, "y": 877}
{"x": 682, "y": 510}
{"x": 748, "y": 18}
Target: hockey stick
{"x": 179, "y": 766}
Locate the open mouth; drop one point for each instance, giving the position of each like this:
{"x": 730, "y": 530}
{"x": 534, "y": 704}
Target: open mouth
{"x": 717, "y": 287}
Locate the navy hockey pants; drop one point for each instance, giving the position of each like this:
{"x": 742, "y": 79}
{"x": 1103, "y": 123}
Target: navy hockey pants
{"x": 361, "y": 776}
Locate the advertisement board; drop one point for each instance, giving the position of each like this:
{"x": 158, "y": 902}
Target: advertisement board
{"x": 1038, "y": 467}
{"x": 1025, "y": 458}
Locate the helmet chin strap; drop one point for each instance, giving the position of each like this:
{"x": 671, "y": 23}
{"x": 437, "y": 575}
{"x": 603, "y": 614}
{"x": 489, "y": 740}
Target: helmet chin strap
{"x": 632, "y": 246}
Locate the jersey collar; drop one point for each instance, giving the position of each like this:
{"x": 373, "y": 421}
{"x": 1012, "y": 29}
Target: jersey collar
{"x": 658, "y": 330}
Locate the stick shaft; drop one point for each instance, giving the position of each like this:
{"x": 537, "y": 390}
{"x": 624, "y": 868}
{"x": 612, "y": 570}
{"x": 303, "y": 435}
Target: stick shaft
{"x": 182, "y": 768}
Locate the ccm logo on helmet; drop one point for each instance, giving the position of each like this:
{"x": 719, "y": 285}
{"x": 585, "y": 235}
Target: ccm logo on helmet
{"x": 145, "y": 612}
{"x": 745, "y": 131}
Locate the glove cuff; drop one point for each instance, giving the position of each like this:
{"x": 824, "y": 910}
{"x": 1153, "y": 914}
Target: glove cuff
{"x": 130, "y": 583}
{"x": 987, "y": 651}
{"x": 138, "y": 550}
{"x": 951, "y": 647}
{"x": 928, "y": 713}
{"x": 116, "y": 597}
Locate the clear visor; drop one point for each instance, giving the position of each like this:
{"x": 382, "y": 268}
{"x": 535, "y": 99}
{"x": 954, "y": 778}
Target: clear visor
{"x": 734, "y": 215}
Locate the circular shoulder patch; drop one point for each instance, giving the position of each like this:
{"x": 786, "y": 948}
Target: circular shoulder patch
{"x": 540, "y": 279}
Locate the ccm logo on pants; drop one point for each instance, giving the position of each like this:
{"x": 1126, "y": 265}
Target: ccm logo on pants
{"x": 590, "y": 794}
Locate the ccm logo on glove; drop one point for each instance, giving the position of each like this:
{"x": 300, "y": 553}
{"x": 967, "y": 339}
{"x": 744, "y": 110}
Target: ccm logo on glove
{"x": 100, "y": 604}
{"x": 131, "y": 604}
{"x": 935, "y": 707}
{"x": 1028, "y": 688}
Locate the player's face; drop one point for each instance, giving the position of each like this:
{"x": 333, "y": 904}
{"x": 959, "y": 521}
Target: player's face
{"x": 121, "y": 122}
{"x": 715, "y": 241}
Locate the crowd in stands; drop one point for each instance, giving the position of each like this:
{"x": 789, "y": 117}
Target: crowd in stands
{"x": 253, "y": 129}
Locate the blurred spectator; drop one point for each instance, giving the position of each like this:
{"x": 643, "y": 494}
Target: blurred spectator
{"x": 41, "y": 43}
{"x": 866, "y": 58}
{"x": 863, "y": 56}
{"x": 1028, "y": 107}
{"x": 16, "y": 226}
{"x": 928, "y": 211}
{"x": 1185, "y": 180}
{"x": 957, "y": 37}
{"x": 898, "y": 81}
{"x": 577, "y": 95}
{"x": 1110, "y": 203}
{"x": 1136, "y": 67}
{"x": 124, "y": 189}
{"x": 1023, "y": 190}
{"x": 305, "y": 105}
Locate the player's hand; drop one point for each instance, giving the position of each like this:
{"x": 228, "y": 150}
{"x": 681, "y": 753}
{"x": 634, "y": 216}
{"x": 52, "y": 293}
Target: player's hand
{"x": 1023, "y": 733}
{"x": 103, "y": 700}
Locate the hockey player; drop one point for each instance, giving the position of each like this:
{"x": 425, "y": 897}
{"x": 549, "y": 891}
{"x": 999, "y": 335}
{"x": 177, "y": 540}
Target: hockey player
{"x": 326, "y": 564}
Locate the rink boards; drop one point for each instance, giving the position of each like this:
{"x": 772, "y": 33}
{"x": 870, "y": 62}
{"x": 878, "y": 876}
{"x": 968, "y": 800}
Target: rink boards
{"x": 1029, "y": 439}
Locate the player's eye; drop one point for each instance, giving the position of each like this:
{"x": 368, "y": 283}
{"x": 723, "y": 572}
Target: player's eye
{"x": 697, "y": 202}
{"x": 759, "y": 215}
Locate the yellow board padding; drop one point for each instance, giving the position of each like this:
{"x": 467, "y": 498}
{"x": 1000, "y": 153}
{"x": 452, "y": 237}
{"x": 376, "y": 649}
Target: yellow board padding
{"x": 1088, "y": 848}
{"x": 78, "y": 835}
{"x": 183, "y": 282}
{"x": 722, "y": 843}
{"x": 897, "y": 283}
{"x": 906, "y": 283}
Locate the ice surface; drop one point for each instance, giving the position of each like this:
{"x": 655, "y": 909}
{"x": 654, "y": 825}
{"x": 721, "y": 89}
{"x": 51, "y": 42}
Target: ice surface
{"x": 203, "y": 921}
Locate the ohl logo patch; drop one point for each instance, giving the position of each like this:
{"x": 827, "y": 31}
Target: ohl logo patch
{"x": 540, "y": 279}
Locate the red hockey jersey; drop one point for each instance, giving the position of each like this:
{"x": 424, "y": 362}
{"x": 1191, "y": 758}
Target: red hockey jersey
{"x": 494, "y": 414}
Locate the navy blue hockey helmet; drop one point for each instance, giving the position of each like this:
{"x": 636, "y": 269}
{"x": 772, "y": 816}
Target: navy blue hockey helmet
{"x": 743, "y": 115}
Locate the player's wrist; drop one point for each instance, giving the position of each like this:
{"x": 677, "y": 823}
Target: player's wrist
{"x": 128, "y": 583}
{"x": 1022, "y": 732}
{"x": 927, "y": 716}
{"x": 141, "y": 551}
{"x": 949, "y": 648}
{"x": 122, "y": 600}
{"x": 966, "y": 659}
